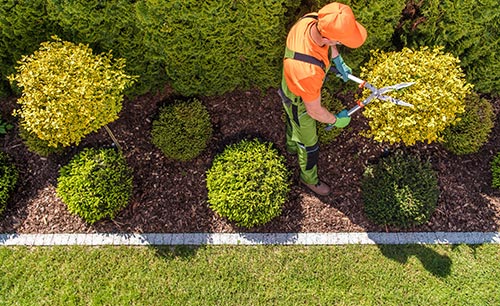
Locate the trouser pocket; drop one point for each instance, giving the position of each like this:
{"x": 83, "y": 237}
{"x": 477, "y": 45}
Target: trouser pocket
{"x": 312, "y": 153}
{"x": 288, "y": 104}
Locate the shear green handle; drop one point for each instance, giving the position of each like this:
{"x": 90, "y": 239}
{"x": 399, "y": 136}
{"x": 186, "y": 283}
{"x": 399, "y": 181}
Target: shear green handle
{"x": 355, "y": 79}
{"x": 344, "y": 117}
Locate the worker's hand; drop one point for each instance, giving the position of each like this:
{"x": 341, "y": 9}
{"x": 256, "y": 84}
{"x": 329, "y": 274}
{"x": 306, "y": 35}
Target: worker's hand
{"x": 343, "y": 119}
{"x": 342, "y": 68}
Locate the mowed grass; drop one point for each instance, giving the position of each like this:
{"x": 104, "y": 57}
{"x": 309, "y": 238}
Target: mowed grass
{"x": 251, "y": 275}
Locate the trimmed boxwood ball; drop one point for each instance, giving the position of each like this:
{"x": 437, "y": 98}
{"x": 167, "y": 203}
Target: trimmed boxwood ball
{"x": 182, "y": 130}
{"x": 472, "y": 129}
{"x": 95, "y": 184}
{"x": 248, "y": 183}
{"x": 400, "y": 191}
{"x": 8, "y": 179}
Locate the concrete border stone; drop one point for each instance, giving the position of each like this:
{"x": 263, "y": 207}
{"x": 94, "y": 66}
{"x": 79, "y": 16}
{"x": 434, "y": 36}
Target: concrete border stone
{"x": 171, "y": 239}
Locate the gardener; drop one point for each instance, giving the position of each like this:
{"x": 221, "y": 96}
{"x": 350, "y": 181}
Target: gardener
{"x": 310, "y": 50}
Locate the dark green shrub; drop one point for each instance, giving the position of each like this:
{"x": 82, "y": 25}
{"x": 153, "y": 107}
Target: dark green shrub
{"x": 379, "y": 18}
{"x": 95, "y": 184}
{"x": 334, "y": 105}
{"x": 8, "y": 179}
{"x": 5, "y": 127}
{"x": 216, "y": 47}
{"x": 182, "y": 130}
{"x": 110, "y": 25}
{"x": 23, "y": 26}
{"x": 163, "y": 41}
{"x": 248, "y": 183}
{"x": 400, "y": 190}
{"x": 468, "y": 29}
{"x": 472, "y": 130}
{"x": 37, "y": 145}
{"x": 495, "y": 171}
{"x": 4, "y": 88}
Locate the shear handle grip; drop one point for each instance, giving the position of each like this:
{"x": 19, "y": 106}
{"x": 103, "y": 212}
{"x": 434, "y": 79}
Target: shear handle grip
{"x": 355, "y": 79}
{"x": 353, "y": 110}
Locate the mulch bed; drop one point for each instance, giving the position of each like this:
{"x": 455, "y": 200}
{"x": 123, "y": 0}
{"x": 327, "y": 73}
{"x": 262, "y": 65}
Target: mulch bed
{"x": 171, "y": 196}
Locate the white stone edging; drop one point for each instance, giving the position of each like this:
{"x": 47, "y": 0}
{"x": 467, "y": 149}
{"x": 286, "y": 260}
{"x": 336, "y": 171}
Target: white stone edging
{"x": 171, "y": 239}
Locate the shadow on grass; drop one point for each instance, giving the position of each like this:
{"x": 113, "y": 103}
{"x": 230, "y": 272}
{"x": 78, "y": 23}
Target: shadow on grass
{"x": 437, "y": 264}
{"x": 6, "y": 237}
{"x": 176, "y": 252}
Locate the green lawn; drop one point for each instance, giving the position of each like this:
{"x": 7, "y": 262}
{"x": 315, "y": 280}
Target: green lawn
{"x": 251, "y": 275}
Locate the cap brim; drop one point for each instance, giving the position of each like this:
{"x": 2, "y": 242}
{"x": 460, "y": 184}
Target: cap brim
{"x": 356, "y": 38}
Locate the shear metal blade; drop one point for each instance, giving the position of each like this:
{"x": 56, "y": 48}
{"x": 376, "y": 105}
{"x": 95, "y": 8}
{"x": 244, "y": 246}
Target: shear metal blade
{"x": 369, "y": 98}
{"x": 395, "y": 101}
{"x": 395, "y": 87}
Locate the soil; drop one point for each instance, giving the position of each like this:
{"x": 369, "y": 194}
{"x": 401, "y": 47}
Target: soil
{"x": 171, "y": 196}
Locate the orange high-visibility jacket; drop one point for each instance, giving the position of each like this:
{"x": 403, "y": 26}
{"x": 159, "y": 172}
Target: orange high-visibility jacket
{"x": 305, "y": 79}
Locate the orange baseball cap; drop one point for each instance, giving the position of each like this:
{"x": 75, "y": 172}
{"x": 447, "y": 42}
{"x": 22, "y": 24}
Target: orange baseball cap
{"x": 336, "y": 21}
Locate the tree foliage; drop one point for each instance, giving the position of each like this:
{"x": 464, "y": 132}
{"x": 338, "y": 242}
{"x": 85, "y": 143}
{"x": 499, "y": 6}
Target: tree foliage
{"x": 110, "y": 26}
{"x": 469, "y": 29}
{"x": 214, "y": 47}
{"x": 23, "y": 26}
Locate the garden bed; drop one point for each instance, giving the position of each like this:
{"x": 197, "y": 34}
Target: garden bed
{"x": 171, "y": 196}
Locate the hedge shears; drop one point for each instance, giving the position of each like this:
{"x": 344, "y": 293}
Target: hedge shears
{"x": 376, "y": 94}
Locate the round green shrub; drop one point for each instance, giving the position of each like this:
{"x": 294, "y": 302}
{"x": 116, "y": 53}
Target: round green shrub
{"x": 400, "y": 190}
{"x": 473, "y": 127}
{"x": 495, "y": 171}
{"x": 248, "y": 183}
{"x": 95, "y": 184}
{"x": 8, "y": 179}
{"x": 182, "y": 129}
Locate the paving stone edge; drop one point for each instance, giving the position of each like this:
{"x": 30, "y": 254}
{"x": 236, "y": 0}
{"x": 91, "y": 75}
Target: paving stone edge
{"x": 171, "y": 239}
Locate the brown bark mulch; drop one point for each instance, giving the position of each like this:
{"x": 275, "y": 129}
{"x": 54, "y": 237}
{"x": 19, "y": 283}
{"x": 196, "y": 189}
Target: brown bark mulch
{"x": 171, "y": 197}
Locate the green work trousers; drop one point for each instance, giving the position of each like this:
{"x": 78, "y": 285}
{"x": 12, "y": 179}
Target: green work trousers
{"x": 302, "y": 137}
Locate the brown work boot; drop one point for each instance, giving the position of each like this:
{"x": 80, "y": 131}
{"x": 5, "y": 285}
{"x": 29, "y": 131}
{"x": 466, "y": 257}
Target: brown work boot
{"x": 320, "y": 188}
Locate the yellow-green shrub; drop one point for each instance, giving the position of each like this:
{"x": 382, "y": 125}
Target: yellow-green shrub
{"x": 68, "y": 92}
{"x": 37, "y": 145}
{"x": 438, "y": 94}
